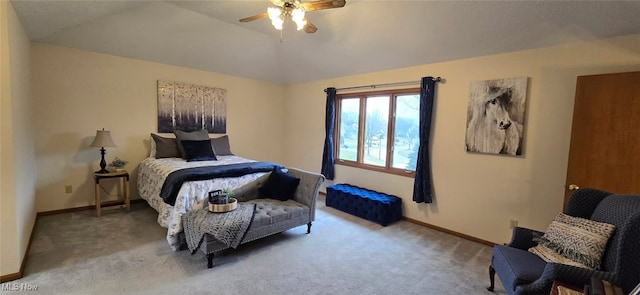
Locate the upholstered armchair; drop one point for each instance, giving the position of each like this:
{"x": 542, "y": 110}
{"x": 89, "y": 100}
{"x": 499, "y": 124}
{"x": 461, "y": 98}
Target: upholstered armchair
{"x": 522, "y": 272}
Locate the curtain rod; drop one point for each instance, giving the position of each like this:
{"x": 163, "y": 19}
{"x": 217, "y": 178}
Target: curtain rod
{"x": 438, "y": 79}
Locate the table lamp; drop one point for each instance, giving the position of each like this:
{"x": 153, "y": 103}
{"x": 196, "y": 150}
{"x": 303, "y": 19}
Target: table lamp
{"x": 102, "y": 140}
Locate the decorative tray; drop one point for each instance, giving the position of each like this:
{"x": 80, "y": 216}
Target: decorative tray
{"x": 220, "y": 208}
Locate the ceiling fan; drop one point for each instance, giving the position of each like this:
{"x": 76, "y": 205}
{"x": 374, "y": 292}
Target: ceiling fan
{"x": 295, "y": 11}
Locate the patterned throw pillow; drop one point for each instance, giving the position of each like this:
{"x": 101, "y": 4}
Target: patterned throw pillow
{"x": 549, "y": 255}
{"x": 580, "y": 240}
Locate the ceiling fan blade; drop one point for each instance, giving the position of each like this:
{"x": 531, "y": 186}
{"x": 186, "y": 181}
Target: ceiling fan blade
{"x": 255, "y": 17}
{"x": 277, "y": 2}
{"x": 309, "y": 27}
{"x": 323, "y": 4}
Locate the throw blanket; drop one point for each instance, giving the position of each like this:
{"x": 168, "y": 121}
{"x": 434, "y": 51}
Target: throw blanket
{"x": 228, "y": 228}
{"x": 175, "y": 179}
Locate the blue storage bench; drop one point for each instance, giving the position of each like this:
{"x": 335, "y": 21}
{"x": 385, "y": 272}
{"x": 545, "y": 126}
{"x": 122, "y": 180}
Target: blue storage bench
{"x": 370, "y": 205}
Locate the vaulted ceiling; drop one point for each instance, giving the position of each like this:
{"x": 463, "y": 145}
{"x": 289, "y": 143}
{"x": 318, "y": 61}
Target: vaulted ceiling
{"x": 363, "y": 36}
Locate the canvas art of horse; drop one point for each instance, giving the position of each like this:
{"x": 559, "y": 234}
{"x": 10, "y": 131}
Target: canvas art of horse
{"x": 490, "y": 126}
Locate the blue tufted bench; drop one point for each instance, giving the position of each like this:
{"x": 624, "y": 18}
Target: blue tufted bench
{"x": 370, "y": 205}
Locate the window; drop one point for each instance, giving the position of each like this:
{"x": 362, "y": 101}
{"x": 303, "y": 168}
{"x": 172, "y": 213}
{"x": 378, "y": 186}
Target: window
{"x": 379, "y": 130}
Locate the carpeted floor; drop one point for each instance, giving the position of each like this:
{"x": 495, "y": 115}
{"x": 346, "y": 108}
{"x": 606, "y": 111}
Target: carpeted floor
{"x": 126, "y": 253}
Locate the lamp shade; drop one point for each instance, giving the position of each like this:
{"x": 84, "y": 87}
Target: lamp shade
{"x": 102, "y": 139}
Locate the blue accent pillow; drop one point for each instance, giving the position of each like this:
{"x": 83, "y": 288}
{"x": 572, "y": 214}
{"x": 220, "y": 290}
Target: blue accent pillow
{"x": 198, "y": 150}
{"x": 279, "y": 186}
{"x": 193, "y": 135}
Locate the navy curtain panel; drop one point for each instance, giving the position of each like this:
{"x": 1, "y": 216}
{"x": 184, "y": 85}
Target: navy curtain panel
{"x": 422, "y": 182}
{"x": 327, "y": 155}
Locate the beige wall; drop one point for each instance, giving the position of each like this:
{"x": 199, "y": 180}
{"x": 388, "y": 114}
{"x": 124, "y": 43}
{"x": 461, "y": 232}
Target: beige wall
{"x": 17, "y": 203}
{"x": 476, "y": 194}
{"x": 77, "y": 92}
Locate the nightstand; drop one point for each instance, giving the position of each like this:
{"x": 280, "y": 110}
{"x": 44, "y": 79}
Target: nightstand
{"x": 123, "y": 178}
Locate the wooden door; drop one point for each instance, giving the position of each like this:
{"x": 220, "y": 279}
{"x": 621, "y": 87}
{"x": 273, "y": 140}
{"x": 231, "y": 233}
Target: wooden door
{"x": 605, "y": 136}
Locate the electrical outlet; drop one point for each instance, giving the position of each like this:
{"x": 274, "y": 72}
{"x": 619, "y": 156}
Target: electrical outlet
{"x": 68, "y": 189}
{"x": 513, "y": 223}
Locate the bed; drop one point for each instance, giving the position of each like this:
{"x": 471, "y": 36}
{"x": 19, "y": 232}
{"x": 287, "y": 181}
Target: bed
{"x": 192, "y": 195}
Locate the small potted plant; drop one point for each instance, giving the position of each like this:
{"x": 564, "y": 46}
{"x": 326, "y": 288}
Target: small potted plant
{"x": 118, "y": 164}
{"x": 227, "y": 193}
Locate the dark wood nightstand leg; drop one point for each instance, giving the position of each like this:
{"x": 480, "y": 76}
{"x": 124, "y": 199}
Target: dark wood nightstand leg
{"x": 209, "y": 260}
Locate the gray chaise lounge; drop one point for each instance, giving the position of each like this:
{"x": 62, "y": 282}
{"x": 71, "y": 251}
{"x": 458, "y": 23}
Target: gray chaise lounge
{"x": 273, "y": 216}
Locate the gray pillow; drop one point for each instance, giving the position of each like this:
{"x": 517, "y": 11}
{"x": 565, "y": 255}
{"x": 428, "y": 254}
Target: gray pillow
{"x": 193, "y": 135}
{"x": 166, "y": 147}
{"x": 221, "y": 146}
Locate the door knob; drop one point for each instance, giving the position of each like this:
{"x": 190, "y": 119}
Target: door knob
{"x": 573, "y": 187}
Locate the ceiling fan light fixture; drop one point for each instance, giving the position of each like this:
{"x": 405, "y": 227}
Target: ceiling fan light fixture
{"x": 275, "y": 15}
{"x": 294, "y": 10}
{"x": 297, "y": 15}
